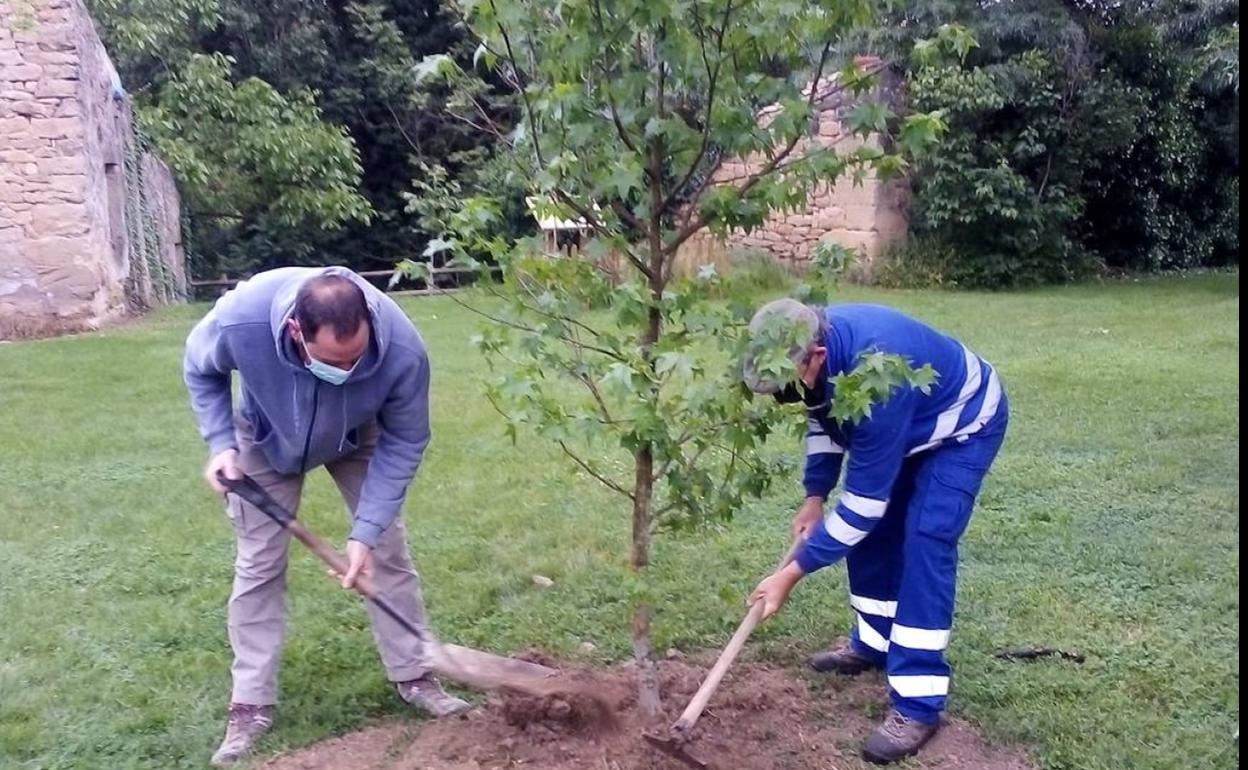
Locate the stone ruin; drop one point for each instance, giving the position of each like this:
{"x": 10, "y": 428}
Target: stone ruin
{"x": 866, "y": 219}
{"x": 89, "y": 218}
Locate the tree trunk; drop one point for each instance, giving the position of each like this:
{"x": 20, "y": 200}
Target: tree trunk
{"x": 648, "y": 699}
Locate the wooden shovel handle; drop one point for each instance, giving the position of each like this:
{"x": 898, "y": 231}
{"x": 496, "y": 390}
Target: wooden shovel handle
{"x": 690, "y": 715}
{"x": 791, "y": 554}
{"x": 250, "y": 490}
{"x": 328, "y": 554}
{"x": 694, "y": 710}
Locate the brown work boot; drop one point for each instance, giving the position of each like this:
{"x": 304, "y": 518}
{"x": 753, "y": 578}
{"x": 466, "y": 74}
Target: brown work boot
{"x": 842, "y": 659}
{"x": 897, "y": 738}
{"x": 244, "y": 728}
{"x": 426, "y": 693}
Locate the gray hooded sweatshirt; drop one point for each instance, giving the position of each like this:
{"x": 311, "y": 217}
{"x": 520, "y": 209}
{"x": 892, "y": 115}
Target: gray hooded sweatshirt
{"x": 300, "y": 421}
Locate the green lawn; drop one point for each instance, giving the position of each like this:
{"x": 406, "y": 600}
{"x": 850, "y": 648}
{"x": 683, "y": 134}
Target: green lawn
{"x": 1111, "y": 525}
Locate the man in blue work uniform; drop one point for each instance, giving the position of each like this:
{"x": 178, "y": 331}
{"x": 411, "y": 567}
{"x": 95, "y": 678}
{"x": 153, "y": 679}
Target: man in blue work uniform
{"x": 915, "y": 467}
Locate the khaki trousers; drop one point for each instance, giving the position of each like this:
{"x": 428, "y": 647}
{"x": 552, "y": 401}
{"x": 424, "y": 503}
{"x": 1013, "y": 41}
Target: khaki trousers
{"x": 257, "y": 606}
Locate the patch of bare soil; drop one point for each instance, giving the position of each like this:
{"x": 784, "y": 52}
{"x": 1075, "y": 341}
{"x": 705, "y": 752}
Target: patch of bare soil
{"x": 761, "y": 718}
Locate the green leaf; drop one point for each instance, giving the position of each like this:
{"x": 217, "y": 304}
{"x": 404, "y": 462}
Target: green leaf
{"x": 868, "y": 118}
{"x": 959, "y": 39}
{"x": 437, "y": 246}
{"x": 412, "y": 270}
{"x": 434, "y": 67}
{"x": 830, "y": 260}
{"x": 925, "y": 52}
{"x": 872, "y": 382}
{"x": 619, "y": 377}
{"x": 680, "y": 363}
{"x": 624, "y": 178}
{"x": 920, "y": 132}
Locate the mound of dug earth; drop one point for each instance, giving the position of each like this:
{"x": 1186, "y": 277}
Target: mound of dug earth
{"x": 761, "y": 718}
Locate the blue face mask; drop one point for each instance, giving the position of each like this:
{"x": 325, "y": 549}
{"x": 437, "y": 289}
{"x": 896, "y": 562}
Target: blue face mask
{"x": 323, "y": 371}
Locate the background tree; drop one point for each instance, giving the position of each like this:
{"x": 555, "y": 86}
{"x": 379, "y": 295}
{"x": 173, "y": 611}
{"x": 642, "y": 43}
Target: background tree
{"x": 1082, "y": 136}
{"x": 1095, "y": 136}
{"x": 261, "y": 103}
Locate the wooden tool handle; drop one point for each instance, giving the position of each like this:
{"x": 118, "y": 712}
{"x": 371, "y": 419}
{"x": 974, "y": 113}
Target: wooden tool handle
{"x": 328, "y": 554}
{"x": 694, "y": 710}
{"x": 364, "y": 584}
{"x": 791, "y": 554}
{"x": 248, "y": 489}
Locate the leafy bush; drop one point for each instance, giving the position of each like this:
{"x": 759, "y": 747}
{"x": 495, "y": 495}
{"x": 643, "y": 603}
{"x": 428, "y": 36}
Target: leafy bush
{"x": 1079, "y": 138}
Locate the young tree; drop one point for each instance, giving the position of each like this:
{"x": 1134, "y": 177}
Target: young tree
{"x": 626, "y": 109}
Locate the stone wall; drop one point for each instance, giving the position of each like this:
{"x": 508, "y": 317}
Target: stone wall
{"x": 864, "y": 218}
{"x": 89, "y": 222}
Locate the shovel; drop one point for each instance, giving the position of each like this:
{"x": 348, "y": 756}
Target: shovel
{"x": 675, "y": 741}
{"x": 474, "y": 668}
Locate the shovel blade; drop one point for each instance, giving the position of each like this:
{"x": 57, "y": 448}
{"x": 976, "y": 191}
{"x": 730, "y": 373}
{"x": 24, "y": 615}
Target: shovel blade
{"x": 676, "y": 746}
{"x": 487, "y": 670}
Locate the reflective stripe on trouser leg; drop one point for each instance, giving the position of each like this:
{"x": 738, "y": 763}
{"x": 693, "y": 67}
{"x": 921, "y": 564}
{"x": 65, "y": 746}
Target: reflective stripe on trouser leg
{"x": 874, "y": 567}
{"x": 918, "y": 675}
{"x": 947, "y": 482}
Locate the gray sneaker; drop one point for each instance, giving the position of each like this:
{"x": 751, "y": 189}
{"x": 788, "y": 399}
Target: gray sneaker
{"x": 843, "y": 659}
{"x": 426, "y": 693}
{"x": 244, "y": 728}
{"x": 897, "y": 738}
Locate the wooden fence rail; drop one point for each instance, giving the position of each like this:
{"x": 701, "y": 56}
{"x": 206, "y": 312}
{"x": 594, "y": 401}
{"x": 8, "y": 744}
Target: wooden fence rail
{"x": 225, "y": 282}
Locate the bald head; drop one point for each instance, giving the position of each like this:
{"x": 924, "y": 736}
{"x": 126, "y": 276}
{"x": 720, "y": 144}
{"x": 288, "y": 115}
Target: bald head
{"x": 330, "y": 321}
{"x": 332, "y": 301}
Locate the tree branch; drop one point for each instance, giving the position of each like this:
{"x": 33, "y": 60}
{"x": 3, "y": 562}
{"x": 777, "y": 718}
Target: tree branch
{"x": 691, "y": 207}
{"x": 712, "y": 76}
{"x": 523, "y": 88}
{"x": 795, "y": 162}
{"x": 606, "y": 86}
{"x": 775, "y": 160}
{"x": 685, "y": 437}
{"x": 402, "y": 131}
{"x": 487, "y": 128}
{"x": 602, "y": 405}
{"x": 693, "y": 461}
{"x": 586, "y": 467}
{"x": 655, "y": 145}
{"x": 658, "y": 515}
{"x": 521, "y": 327}
{"x": 628, "y": 216}
{"x": 1048, "y": 168}
{"x": 593, "y": 389}
{"x": 562, "y": 318}
{"x": 598, "y": 227}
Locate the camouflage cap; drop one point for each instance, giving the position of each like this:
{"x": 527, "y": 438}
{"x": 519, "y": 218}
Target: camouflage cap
{"x": 799, "y": 324}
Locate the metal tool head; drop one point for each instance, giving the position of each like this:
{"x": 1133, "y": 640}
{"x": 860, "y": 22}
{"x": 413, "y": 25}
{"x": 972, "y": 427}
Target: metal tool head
{"x": 675, "y": 744}
{"x": 250, "y": 490}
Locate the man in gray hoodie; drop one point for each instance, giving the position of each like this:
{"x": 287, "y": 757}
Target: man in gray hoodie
{"x": 334, "y": 374}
